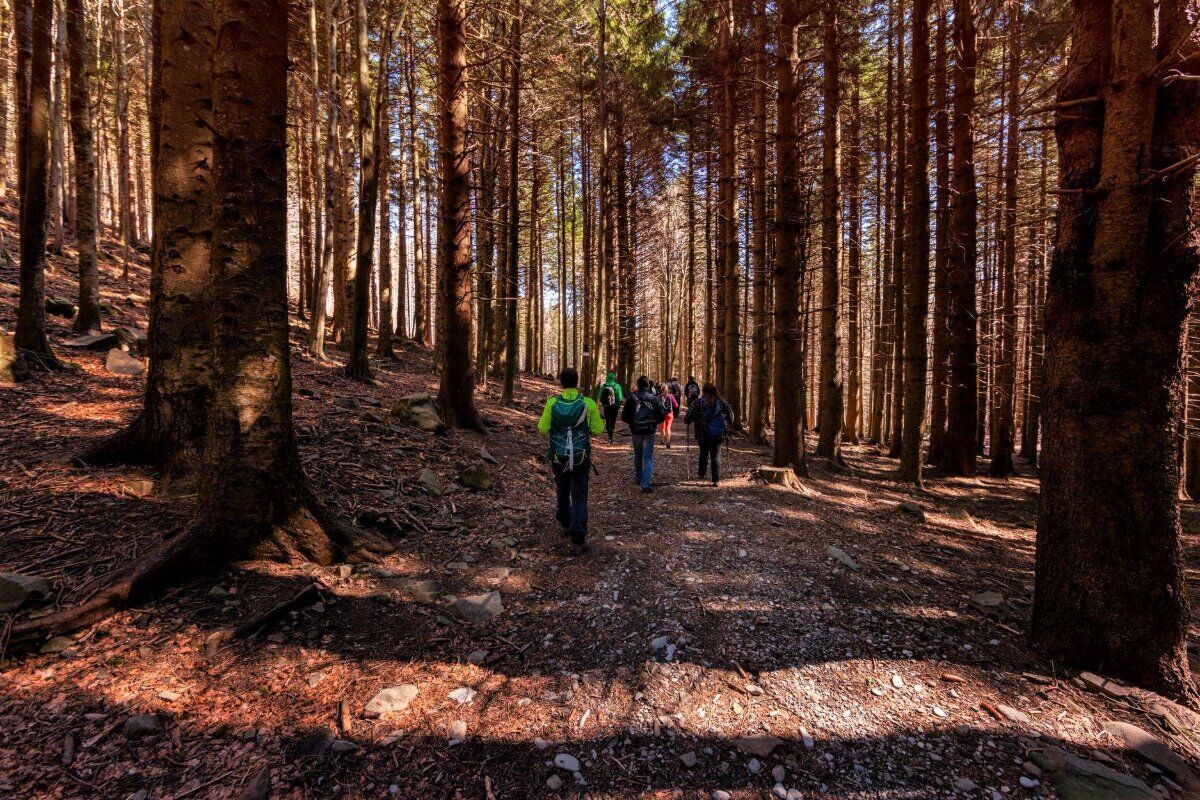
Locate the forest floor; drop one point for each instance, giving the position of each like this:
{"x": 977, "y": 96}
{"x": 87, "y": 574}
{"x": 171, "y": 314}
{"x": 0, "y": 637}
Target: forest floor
{"x": 711, "y": 644}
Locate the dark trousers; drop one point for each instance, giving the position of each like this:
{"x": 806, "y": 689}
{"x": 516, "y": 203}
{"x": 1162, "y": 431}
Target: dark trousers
{"x": 710, "y": 450}
{"x": 610, "y": 420}
{"x": 571, "y": 487}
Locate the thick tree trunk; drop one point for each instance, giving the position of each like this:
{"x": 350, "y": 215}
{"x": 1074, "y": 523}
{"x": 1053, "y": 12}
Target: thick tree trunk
{"x": 512, "y": 242}
{"x": 941, "y": 299}
{"x": 899, "y": 249}
{"x": 383, "y": 347}
{"x": 30, "y": 338}
{"x": 420, "y": 328}
{"x": 960, "y": 445}
{"x": 850, "y": 424}
{"x": 789, "y": 266}
{"x": 457, "y": 391}
{"x": 325, "y": 260}
{"x": 1031, "y": 427}
{"x": 758, "y": 244}
{"x": 829, "y": 411}
{"x": 358, "y": 366}
{"x": 729, "y": 273}
{"x": 1109, "y": 589}
{"x": 916, "y": 289}
{"x": 80, "y": 54}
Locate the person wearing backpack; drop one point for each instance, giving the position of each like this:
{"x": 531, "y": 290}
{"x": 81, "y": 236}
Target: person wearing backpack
{"x": 642, "y": 413}
{"x": 713, "y": 419}
{"x": 692, "y": 390}
{"x": 610, "y": 398}
{"x": 676, "y": 391}
{"x": 671, "y": 408}
{"x": 571, "y": 420}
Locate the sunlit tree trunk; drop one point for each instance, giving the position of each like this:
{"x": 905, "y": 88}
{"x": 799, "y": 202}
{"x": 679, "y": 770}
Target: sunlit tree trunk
{"x": 358, "y": 366}
{"x": 829, "y": 413}
{"x": 80, "y": 55}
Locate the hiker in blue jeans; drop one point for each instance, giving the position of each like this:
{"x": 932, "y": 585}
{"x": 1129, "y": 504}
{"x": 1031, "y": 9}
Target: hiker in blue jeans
{"x": 642, "y": 413}
{"x": 571, "y": 420}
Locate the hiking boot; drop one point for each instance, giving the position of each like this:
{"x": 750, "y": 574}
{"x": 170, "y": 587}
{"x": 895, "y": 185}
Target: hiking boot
{"x": 578, "y": 549}
{"x": 565, "y": 530}
{"x": 647, "y": 489}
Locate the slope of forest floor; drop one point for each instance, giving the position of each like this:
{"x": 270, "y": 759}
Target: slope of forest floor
{"x": 712, "y": 644}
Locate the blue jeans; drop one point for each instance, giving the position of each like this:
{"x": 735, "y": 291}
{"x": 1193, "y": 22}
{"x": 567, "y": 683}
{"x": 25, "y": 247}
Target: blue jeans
{"x": 571, "y": 488}
{"x": 643, "y": 459}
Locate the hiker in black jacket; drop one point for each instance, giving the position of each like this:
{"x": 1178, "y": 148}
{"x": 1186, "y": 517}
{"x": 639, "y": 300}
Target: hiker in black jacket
{"x": 642, "y": 413}
{"x": 713, "y": 419}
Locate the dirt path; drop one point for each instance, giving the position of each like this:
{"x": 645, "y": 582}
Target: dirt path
{"x": 711, "y": 641}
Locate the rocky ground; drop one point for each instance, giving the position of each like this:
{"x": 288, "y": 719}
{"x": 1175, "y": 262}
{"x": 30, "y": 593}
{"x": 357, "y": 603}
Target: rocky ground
{"x": 841, "y": 639}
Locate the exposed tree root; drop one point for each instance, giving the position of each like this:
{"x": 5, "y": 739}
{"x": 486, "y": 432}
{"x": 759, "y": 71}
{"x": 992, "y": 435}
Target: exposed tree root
{"x": 308, "y": 595}
{"x": 126, "y": 446}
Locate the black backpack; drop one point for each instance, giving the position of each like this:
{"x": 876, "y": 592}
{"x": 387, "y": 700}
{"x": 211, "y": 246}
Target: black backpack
{"x": 645, "y": 415}
{"x": 608, "y": 396}
{"x": 692, "y": 391}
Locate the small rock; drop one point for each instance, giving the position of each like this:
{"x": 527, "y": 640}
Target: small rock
{"x": 392, "y": 700}
{"x": 965, "y": 785}
{"x": 721, "y": 794}
{"x": 477, "y": 656}
{"x": 1079, "y": 779}
{"x": 57, "y": 644}
{"x": 1153, "y": 750}
{"x": 59, "y": 307}
{"x": 168, "y": 696}
{"x": 914, "y": 508}
{"x": 316, "y": 743}
{"x": 458, "y": 733}
{"x": 120, "y": 362}
{"x": 688, "y": 759}
{"x": 1013, "y": 715}
{"x": 566, "y": 761}
{"x": 659, "y": 643}
{"x": 419, "y": 411}
{"x": 842, "y": 556}
{"x": 554, "y": 783}
{"x": 342, "y": 746}
{"x": 1028, "y": 782}
{"x": 142, "y": 725}
{"x": 463, "y": 695}
{"x": 778, "y": 773}
{"x": 476, "y": 476}
{"x": 487, "y": 456}
{"x": 259, "y": 788}
{"x": 897, "y": 680}
{"x": 16, "y": 589}
{"x": 348, "y": 403}
{"x": 761, "y": 745}
{"x": 754, "y": 766}
{"x": 807, "y": 738}
{"x": 478, "y": 608}
{"x": 429, "y": 480}
{"x": 991, "y": 603}
{"x": 315, "y": 679}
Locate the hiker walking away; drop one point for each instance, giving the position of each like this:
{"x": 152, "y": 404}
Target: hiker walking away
{"x": 676, "y": 391}
{"x": 571, "y": 420}
{"x": 643, "y": 412}
{"x": 610, "y": 398}
{"x": 692, "y": 390}
{"x": 670, "y": 409}
{"x": 713, "y": 419}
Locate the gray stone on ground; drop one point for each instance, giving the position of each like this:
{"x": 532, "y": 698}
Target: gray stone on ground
{"x": 348, "y": 403}
{"x": 478, "y": 608}
{"x": 476, "y": 476}
{"x": 120, "y": 362}
{"x": 56, "y": 644}
{"x": 142, "y": 725}
{"x": 962, "y": 515}
{"x": 990, "y": 603}
{"x": 59, "y": 307}
{"x": 16, "y": 589}
{"x": 487, "y": 456}
{"x": 391, "y": 700}
{"x": 259, "y": 788}
{"x": 93, "y": 341}
{"x": 689, "y": 759}
{"x": 12, "y": 367}
{"x": 566, "y": 761}
{"x": 420, "y": 590}
{"x": 477, "y": 656}
{"x": 1080, "y": 779}
{"x": 965, "y": 785}
{"x": 457, "y": 733}
{"x": 842, "y": 556}
{"x": 914, "y": 508}
{"x": 316, "y": 743}
{"x": 419, "y": 411}
{"x": 429, "y": 479}
{"x": 1013, "y": 715}
{"x": 130, "y": 338}
{"x": 1154, "y": 750}
{"x": 760, "y": 745}
{"x": 554, "y": 783}
{"x": 342, "y": 746}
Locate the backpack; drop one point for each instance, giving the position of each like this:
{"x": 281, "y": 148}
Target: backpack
{"x": 714, "y": 421}
{"x": 670, "y": 403}
{"x": 570, "y": 441}
{"x": 608, "y": 396}
{"x": 692, "y": 391}
{"x": 675, "y": 391}
{"x": 645, "y": 416}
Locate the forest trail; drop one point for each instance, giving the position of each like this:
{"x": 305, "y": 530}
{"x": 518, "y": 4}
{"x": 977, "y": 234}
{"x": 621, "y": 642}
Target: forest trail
{"x": 712, "y": 641}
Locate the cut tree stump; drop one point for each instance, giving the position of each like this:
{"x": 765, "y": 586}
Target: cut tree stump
{"x": 779, "y": 476}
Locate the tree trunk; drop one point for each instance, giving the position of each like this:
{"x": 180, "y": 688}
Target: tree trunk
{"x": 80, "y": 54}
{"x": 850, "y": 426}
{"x": 1109, "y": 590}
{"x": 758, "y": 243}
{"x": 941, "y": 299}
{"x": 729, "y": 360}
{"x": 899, "y": 249}
{"x": 789, "y": 266}
{"x": 358, "y": 366}
{"x": 30, "y": 338}
{"x": 420, "y": 328}
{"x": 325, "y": 262}
{"x": 961, "y": 401}
{"x": 383, "y": 347}
{"x": 511, "y": 287}
{"x": 829, "y": 413}
{"x": 1037, "y": 293}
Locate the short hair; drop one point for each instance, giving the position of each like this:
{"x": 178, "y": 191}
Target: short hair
{"x": 643, "y": 382}
{"x": 710, "y": 389}
{"x": 569, "y": 377}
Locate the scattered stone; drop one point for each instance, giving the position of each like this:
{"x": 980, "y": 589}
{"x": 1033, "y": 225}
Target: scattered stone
{"x": 419, "y": 411}
{"x": 458, "y": 733}
{"x": 142, "y": 725}
{"x": 1028, "y": 782}
{"x": 93, "y": 341}
{"x": 168, "y": 696}
{"x": 991, "y": 603}
{"x": 487, "y": 456}
{"x": 342, "y": 746}
{"x": 348, "y": 403}
{"x": 1013, "y": 715}
{"x": 1079, "y": 779}
{"x": 131, "y": 339}
{"x": 554, "y": 783}
{"x": 120, "y": 362}
{"x": 476, "y": 476}
{"x": 754, "y": 766}
{"x": 429, "y": 479}
{"x": 778, "y": 773}
{"x": 842, "y": 556}
{"x": 463, "y": 695}
{"x": 761, "y": 745}
{"x": 478, "y": 608}
{"x": 12, "y": 365}
{"x": 58, "y": 307}
{"x": 1153, "y": 750}
{"x": 218, "y": 592}
{"x": 57, "y": 644}
{"x": 914, "y": 508}
{"x": 1096, "y": 683}
{"x": 316, "y": 743}
{"x": 965, "y": 785}
{"x": 659, "y": 643}
{"x": 897, "y": 680}
{"x": 721, "y": 794}
{"x": 688, "y": 759}
{"x": 566, "y": 761}
{"x": 961, "y": 515}
{"x": 314, "y": 679}
{"x": 16, "y": 589}
{"x": 477, "y": 656}
{"x": 806, "y": 738}
{"x": 423, "y": 590}
{"x": 392, "y": 700}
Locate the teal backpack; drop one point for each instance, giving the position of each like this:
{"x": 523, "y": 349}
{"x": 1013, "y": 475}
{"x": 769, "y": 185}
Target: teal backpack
{"x": 570, "y": 440}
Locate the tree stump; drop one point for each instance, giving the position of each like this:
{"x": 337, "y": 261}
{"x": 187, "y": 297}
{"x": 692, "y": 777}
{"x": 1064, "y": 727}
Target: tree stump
{"x": 779, "y": 476}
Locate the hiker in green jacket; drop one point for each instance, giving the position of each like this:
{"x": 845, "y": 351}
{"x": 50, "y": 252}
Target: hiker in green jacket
{"x": 571, "y": 420}
{"x": 610, "y": 397}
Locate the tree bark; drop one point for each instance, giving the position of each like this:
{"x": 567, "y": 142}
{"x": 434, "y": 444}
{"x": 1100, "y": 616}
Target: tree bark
{"x": 829, "y": 412}
{"x": 80, "y": 55}
{"x": 759, "y": 385}
{"x": 511, "y": 287}
{"x": 729, "y": 273}
{"x": 1109, "y": 589}
{"x": 940, "y": 321}
{"x": 359, "y": 364}
{"x": 850, "y": 425}
{"x": 325, "y": 262}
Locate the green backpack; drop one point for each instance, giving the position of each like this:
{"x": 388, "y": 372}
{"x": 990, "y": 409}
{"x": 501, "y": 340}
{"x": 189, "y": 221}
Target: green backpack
{"x": 570, "y": 440}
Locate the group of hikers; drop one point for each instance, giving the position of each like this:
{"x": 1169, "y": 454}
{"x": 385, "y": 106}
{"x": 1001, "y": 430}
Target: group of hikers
{"x": 571, "y": 419}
